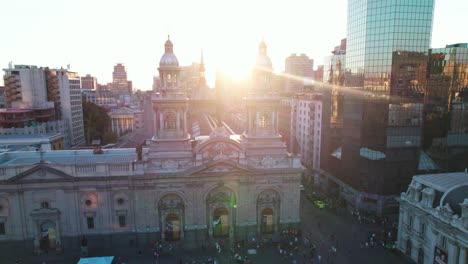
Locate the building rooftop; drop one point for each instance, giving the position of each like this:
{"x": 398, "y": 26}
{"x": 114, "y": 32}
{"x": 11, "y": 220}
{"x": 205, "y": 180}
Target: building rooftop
{"x": 68, "y": 157}
{"x": 443, "y": 181}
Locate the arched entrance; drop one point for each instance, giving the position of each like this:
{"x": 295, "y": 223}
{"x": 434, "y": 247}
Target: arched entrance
{"x": 221, "y": 212}
{"x": 48, "y": 236}
{"x": 268, "y": 208}
{"x": 171, "y": 217}
{"x": 172, "y": 229}
{"x": 220, "y": 222}
{"x": 267, "y": 221}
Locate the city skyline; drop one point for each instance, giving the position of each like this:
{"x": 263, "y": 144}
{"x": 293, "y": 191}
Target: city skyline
{"x": 92, "y": 41}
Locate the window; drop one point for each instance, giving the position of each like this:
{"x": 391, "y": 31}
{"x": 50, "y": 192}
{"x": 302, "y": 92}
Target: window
{"x": 423, "y": 230}
{"x": 122, "y": 221}
{"x": 444, "y": 242}
{"x": 264, "y": 120}
{"x": 2, "y": 228}
{"x": 170, "y": 121}
{"x": 90, "y": 222}
{"x": 44, "y": 205}
{"x": 410, "y": 222}
{"x": 88, "y": 202}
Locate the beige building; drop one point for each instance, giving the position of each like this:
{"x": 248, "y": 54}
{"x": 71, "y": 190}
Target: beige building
{"x": 225, "y": 186}
{"x": 433, "y": 225}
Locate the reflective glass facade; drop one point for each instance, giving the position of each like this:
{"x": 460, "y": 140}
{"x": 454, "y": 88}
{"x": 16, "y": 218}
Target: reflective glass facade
{"x": 383, "y": 113}
{"x": 377, "y": 28}
{"x": 446, "y": 107}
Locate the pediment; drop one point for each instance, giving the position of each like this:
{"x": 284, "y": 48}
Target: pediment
{"x": 220, "y": 166}
{"x": 41, "y": 172}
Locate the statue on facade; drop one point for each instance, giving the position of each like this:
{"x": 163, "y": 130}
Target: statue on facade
{"x": 139, "y": 151}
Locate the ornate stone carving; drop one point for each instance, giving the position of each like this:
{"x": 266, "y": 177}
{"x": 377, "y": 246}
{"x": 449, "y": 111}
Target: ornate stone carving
{"x": 170, "y": 165}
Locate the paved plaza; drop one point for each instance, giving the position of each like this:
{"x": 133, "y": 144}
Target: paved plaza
{"x": 336, "y": 235}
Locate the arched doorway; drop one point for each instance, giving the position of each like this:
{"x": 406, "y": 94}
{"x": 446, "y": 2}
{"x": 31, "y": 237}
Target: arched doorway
{"x": 267, "y": 221}
{"x": 268, "y": 208}
{"x": 221, "y": 206}
{"x": 220, "y": 222}
{"x": 171, "y": 217}
{"x": 172, "y": 229}
{"x": 48, "y": 236}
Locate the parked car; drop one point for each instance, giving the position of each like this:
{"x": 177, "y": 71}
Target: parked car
{"x": 319, "y": 204}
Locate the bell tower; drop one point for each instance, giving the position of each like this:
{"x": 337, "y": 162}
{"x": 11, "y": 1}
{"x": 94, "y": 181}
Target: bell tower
{"x": 262, "y": 109}
{"x": 170, "y": 107}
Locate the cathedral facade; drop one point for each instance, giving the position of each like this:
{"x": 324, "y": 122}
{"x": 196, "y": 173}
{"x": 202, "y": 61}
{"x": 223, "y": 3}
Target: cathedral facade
{"x": 176, "y": 189}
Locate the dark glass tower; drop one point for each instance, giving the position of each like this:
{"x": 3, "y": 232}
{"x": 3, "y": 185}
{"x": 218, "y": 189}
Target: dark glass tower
{"x": 386, "y": 61}
{"x": 446, "y": 107}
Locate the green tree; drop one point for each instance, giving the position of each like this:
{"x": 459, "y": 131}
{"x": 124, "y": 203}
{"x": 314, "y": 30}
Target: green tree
{"x": 96, "y": 122}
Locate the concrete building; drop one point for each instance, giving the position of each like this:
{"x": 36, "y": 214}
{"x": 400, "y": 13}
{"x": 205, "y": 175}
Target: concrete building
{"x": 433, "y": 224}
{"x": 298, "y": 68}
{"x": 308, "y": 128}
{"x": 71, "y": 104}
{"x": 225, "y": 186}
{"x": 120, "y": 85}
{"x": 88, "y": 83}
{"x": 44, "y": 95}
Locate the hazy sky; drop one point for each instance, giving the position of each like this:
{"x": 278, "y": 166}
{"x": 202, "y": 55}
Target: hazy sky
{"x": 93, "y": 35}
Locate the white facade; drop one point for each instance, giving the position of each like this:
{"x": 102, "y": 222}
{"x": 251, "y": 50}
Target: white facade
{"x": 433, "y": 223}
{"x": 308, "y": 129}
{"x": 71, "y": 104}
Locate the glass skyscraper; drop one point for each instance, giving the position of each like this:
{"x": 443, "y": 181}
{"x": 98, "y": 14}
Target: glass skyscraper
{"x": 377, "y": 28}
{"x": 382, "y": 135}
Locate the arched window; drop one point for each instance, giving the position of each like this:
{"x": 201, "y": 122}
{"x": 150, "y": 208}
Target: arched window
{"x": 169, "y": 78}
{"x": 170, "y": 121}
{"x": 175, "y": 78}
{"x": 264, "y": 120}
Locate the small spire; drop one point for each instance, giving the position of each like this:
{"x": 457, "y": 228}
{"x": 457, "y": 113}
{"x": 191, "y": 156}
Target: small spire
{"x": 168, "y": 37}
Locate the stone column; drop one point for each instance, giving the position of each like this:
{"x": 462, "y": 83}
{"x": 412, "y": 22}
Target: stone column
{"x": 112, "y": 122}
{"x": 161, "y": 122}
{"x": 37, "y": 237}
{"x": 462, "y": 256}
{"x": 210, "y": 221}
{"x": 452, "y": 251}
{"x": 58, "y": 239}
{"x": 178, "y": 121}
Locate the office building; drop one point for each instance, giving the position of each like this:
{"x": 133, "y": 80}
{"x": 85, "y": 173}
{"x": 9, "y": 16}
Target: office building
{"x": 88, "y": 83}
{"x": 297, "y": 69}
{"x": 386, "y": 55}
{"x": 120, "y": 86}
{"x": 446, "y": 107}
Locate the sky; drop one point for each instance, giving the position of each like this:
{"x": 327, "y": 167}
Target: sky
{"x": 92, "y": 36}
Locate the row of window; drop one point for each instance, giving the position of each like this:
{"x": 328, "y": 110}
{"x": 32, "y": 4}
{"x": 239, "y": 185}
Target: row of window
{"x": 122, "y": 220}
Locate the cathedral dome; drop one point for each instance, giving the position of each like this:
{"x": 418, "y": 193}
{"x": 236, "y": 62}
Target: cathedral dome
{"x": 168, "y": 58}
